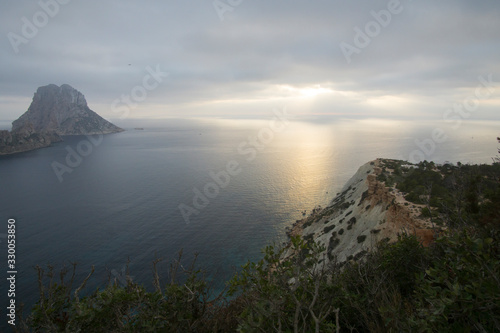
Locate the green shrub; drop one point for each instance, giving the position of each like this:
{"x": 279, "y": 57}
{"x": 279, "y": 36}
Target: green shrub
{"x": 401, "y": 261}
{"x": 452, "y": 286}
{"x": 426, "y": 212}
{"x": 329, "y": 228}
{"x": 361, "y": 238}
{"x": 461, "y": 288}
{"x": 284, "y": 294}
{"x": 177, "y": 307}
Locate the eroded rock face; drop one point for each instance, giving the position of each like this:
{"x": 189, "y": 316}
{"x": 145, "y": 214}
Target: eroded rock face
{"x": 364, "y": 213}
{"x": 62, "y": 110}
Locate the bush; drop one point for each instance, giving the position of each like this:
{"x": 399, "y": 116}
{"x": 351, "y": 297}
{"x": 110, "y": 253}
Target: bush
{"x": 361, "y": 238}
{"x": 177, "y": 307}
{"x": 426, "y": 212}
{"x": 401, "y": 261}
{"x": 329, "y": 228}
{"x": 285, "y": 293}
{"x": 461, "y": 288}
{"x": 452, "y": 286}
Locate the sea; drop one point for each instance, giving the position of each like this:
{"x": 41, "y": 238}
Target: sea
{"x": 219, "y": 190}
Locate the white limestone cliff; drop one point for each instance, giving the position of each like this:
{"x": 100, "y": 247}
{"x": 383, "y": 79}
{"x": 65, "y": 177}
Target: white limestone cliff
{"x": 365, "y": 212}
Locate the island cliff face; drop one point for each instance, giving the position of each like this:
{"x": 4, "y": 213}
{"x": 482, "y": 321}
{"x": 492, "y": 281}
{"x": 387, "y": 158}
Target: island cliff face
{"x": 54, "y": 111}
{"x": 364, "y": 213}
{"x": 62, "y": 110}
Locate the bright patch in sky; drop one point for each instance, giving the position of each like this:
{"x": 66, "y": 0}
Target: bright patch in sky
{"x": 310, "y": 91}
{"x": 253, "y": 57}
{"x": 314, "y": 91}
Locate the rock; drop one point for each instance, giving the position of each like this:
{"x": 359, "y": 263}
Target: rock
{"x": 54, "y": 111}
{"x": 17, "y": 142}
{"x": 365, "y": 212}
{"x": 62, "y": 110}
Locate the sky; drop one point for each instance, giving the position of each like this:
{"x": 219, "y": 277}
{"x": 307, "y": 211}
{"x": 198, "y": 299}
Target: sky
{"x": 148, "y": 59}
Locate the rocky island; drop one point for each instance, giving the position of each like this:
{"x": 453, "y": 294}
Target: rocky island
{"x": 54, "y": 112}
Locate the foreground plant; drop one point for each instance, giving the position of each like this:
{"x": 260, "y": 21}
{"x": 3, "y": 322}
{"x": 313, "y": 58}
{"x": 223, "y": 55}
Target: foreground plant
{"x": 285, "y": 291}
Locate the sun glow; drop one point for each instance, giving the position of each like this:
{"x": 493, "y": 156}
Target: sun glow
{"x": 314, "y": 91}
{"x": 306, "y": 92}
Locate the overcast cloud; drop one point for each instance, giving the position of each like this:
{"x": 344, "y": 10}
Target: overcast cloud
{"x": 263, "y": 54}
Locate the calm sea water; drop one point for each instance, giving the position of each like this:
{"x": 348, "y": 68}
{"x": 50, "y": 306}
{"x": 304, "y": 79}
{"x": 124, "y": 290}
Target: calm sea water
{"x": 122, "y": 201}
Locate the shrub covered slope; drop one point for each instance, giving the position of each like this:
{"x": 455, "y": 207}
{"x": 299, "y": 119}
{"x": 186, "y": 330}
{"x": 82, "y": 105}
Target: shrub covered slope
{"x": 452, "y": 285}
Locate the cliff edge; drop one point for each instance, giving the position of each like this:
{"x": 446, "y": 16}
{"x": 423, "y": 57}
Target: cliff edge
{"x": 365, "y": 212}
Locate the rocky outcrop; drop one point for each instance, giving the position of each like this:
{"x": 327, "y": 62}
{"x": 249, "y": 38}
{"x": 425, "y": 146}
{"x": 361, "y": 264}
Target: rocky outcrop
{"x": 18, "y": 142}
{"x": 62, "y": 110}
{"x": 54, "y": 112}
{"x": 364, "y": 213}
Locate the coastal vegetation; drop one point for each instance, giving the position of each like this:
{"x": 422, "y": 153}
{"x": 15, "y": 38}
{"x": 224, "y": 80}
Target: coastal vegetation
{"x": 452, "y": 285}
